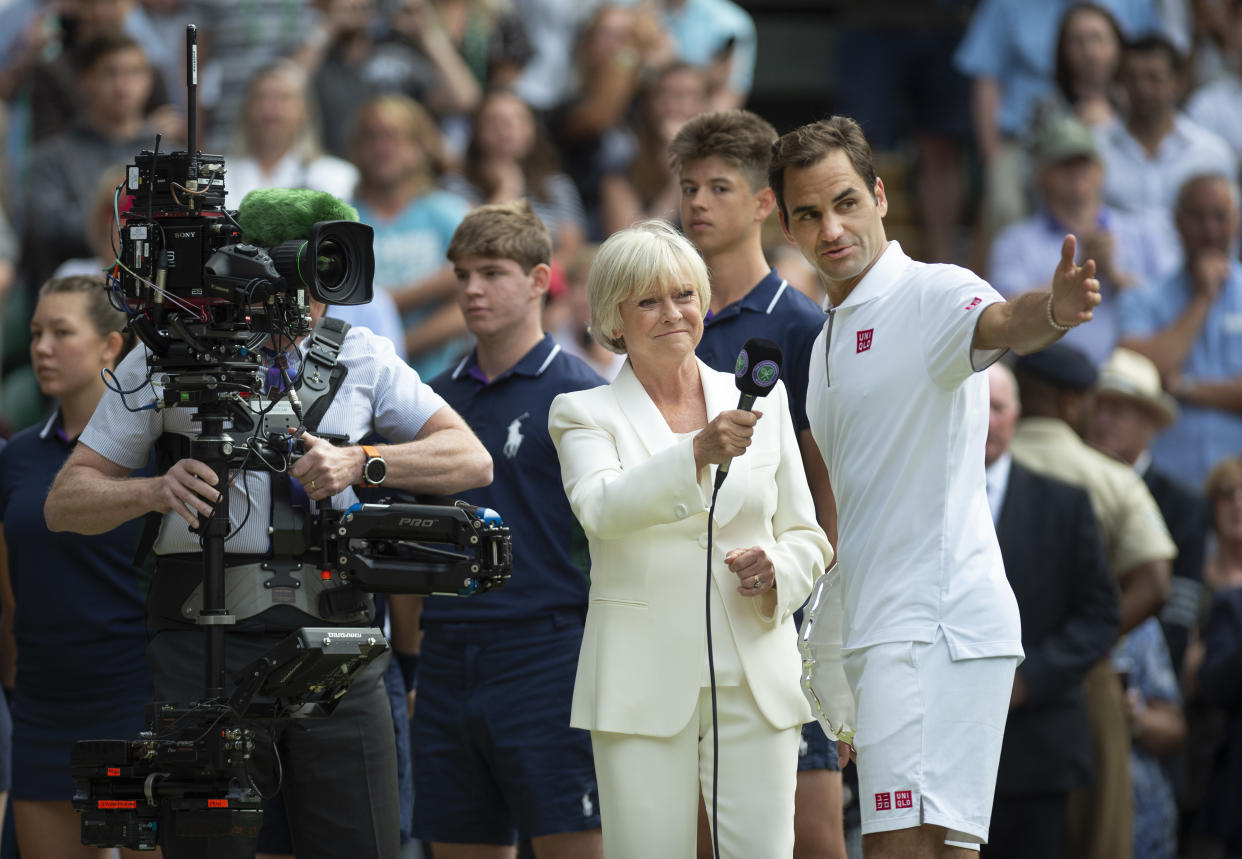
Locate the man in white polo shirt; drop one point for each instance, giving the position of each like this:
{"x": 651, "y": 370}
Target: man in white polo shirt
{"x": 900, "y": 413}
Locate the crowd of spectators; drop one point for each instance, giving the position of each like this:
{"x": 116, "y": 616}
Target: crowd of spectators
{"x": 1014, "y": 122}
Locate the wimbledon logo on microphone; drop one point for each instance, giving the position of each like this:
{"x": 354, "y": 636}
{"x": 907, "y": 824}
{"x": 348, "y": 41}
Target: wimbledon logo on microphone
{"x": 764, "y": 373}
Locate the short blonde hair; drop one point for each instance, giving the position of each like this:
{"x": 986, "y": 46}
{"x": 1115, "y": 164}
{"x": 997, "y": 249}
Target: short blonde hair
{"x": 641, "y": 260}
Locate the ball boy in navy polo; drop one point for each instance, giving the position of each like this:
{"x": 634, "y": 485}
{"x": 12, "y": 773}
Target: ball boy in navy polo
{"x": 722, "y": 160}
{"x": 496, "y": 759}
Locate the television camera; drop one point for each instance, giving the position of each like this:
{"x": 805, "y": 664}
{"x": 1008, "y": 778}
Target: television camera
{"x": 204, "y": 301}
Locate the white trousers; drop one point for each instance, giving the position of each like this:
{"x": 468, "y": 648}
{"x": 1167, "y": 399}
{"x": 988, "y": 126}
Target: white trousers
{"x": 649, "y": 786}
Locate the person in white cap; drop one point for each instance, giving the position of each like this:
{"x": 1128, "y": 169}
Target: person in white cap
{"x": 1130, "y": 410}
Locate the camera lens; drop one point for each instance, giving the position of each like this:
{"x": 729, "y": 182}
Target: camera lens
{"x": 331, "y": 264}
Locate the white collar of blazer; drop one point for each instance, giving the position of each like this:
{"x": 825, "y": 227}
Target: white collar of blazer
{"x": 721, "y": 393}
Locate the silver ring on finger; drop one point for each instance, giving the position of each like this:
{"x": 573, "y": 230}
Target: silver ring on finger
{"x": 756, "y": 582}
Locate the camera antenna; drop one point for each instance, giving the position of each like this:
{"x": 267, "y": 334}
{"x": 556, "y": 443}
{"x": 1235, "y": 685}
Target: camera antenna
{"x": 191, "y": 101}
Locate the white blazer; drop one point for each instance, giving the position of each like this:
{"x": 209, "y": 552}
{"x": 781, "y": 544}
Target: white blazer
{"x": 633, "y": 486}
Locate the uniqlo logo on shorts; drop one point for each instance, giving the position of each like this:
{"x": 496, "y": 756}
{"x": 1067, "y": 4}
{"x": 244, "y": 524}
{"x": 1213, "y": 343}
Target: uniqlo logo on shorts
{"x": 884, "y": 801}
{"x": 974, "y": 302}
{"x": 904, "y": 799}
{"x": 864, "y": 340}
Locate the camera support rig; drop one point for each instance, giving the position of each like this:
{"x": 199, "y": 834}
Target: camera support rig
{"x": 203, "y": 303}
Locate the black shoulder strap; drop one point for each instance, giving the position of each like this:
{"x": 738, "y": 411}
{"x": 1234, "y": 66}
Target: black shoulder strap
{"x": 321, "y": 374}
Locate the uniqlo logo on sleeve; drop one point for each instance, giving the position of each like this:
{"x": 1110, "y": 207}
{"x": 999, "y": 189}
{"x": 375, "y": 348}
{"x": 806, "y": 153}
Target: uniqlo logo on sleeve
{"x": 864, "y": 340}
{"x": 904, "y": 799}
{"x": 884, "y": 801}
{"x": 974, "y": 302}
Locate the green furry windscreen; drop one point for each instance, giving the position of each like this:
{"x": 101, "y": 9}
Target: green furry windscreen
{"x": 269, "y": 216}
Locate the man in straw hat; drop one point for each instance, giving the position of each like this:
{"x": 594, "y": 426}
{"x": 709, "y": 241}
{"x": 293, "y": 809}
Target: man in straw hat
{"x": 1130, "y": 409}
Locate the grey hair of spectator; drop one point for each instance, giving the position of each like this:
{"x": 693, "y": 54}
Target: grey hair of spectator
{"x": 639, "y": 261}
{"x": 1234, "y": 194}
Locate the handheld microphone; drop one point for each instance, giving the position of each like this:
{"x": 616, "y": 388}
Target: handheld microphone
{"x": 757, "y": 369}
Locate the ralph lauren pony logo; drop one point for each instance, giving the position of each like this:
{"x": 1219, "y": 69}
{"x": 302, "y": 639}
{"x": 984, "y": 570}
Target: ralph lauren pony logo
{"x": 864, "y": 340}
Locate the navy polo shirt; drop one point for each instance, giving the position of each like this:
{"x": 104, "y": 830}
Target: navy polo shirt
{"x": 777, "y": 311}
{"x": 510, "y": 416}
{"x": 83, "y": 619}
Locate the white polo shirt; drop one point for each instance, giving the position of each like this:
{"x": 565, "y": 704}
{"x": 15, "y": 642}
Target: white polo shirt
{"x": 901, "y": 415}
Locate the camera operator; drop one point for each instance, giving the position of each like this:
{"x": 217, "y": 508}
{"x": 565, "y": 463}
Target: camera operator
{"x": 337, "y": 775}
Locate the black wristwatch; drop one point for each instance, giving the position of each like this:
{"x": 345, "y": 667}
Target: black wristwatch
{"x": 374, "y": 470}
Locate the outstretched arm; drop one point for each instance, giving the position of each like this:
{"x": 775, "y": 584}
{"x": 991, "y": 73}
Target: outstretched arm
{"x": 1031, "y": 321}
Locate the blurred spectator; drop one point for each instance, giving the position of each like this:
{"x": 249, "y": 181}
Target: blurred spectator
{"x": 1088, "y": 58}
{"x": 913, "y": 95}
{"x": 552, "y": 27}
{"x": 647, "y": 187}
{"x": 278, "y": 136}
{"x": 1127, "y": 252}
{"x": 399, "y": 154}
{"x": 414, "y": 56}
{"x": 1218, "y": 686}
{"x": 1150, "y": 155}
{"x": 510, "y": 158}
{"x": 1223, "y": 569}
{"x": 56, "y": 100}
{"x": 86, "y": 675}
{"x": 101, "y": 225}
{"x": 718, "y": 37}
{"x": 1158, "y": 730}
{"x": 1217, "y": 106}
{"x": 8, "y": 257}
{"x": 1205, "y": 826}
{"x": 612, "y": 57}
{"x": 1129, "y": 410}
{"x": 1008, "y": 51}
{"x": 1055, "y": 562}
{"x": 168, "y": 20}
{"x": 114, "y": 78}
{"x": 237, "y": 38}
{"x": 493, "y": 36}
{"x": 574, "y": 334}
{"x": 1190, "y": 325}
{"x": 1054, "y": 386}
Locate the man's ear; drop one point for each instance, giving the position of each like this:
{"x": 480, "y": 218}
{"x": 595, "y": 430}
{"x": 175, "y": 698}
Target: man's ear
{"x": 766, "y": 202}
{"x": 540, "y": 277}
{"x": 881, "y": 198}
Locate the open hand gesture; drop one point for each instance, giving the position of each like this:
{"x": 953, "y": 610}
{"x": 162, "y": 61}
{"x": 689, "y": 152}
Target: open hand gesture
{"x": 1075, "y": 290}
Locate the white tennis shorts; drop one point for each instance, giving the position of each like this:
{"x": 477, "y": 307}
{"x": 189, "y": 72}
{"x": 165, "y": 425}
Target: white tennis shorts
{"x": 929, "y": 736}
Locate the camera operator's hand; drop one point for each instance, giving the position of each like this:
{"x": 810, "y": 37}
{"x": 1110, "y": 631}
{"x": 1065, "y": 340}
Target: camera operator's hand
{"x": 187, "y": 489}
{"x": 324, "y": 470}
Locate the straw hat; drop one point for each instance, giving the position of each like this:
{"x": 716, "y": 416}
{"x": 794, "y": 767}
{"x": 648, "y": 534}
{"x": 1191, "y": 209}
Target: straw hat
{"x": 1133, "y": 376}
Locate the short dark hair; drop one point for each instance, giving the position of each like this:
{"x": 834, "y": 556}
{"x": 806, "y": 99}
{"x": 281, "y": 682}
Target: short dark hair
{"x": 810, "y": 144}
{"x": 743, "y": 139}
{"x": 90, "y": 52}
{"x": 1155, "y": 43}
{"x": 503, "y": 231}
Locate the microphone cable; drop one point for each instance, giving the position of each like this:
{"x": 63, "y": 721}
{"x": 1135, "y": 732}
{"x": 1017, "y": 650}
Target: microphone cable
{"x": 711, "y": 672}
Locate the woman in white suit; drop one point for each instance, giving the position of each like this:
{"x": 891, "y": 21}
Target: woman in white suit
{"x": 638, "y": 460}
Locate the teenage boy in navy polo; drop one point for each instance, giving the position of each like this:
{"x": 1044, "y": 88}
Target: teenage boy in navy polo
{"x": 722, "y": 160}
{"x": 496, "y": 758}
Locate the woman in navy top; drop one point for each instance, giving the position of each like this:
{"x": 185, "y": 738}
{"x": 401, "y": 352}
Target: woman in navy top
{"x": 79, "y": 619}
